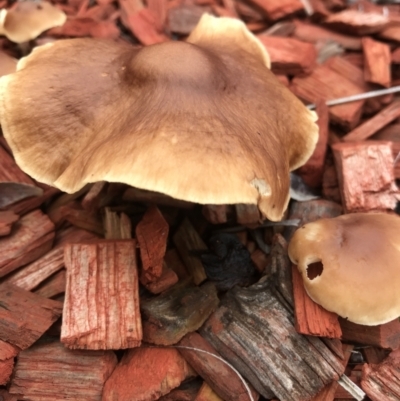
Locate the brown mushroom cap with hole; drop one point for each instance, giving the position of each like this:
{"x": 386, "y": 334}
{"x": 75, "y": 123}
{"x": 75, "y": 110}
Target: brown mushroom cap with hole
{"x": 351, "y": 265}
{"x": 203, "y": 121}
{"x": 26, "y": 20}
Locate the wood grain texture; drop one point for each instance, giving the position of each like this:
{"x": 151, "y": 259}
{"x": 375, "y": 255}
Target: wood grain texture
{"x": 101, "y": 308}
{"x": 51, "y": 372}
{"x": 25, "y": 316}
{"x": 377, "y": 62}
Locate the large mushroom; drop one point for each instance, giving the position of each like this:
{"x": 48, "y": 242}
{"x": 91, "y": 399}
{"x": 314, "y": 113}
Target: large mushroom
{"x": 204, "y": 120}
{"x": 351, "y": 265}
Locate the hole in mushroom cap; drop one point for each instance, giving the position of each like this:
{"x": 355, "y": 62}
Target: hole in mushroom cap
{"x": 314, "y": 270}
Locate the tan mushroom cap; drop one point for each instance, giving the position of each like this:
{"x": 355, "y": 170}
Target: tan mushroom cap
{"x": 203, "y": 121}
{"x": 8, "y": 64}
{"x": 360, "y": 256}
{"x": 28, "y": 19}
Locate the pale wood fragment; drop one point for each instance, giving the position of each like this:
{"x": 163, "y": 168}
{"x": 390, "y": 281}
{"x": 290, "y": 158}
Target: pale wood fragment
{"x": 54, "y": 285}
{"x": 152, "y": 372}
{"x": 7, "y": 219}
{"x": 289, "y": 56}
{"x": 101, "y": 308}
{"x": 116, "y": 226}
{"x": 206, "y": 393}
{"x": 382, "y": 382}
{"x": 376, "y": 62}
{"x": 311, "y": 318}
{"x": 51, "y": 372}
{"x": 25, "y": 316}
{"x": 326, "y": 84}
{"x": 374, "y": 124}
{"x": 186, "y": 240}
{"x": 36, "y": 272}
{"x": 152, "y": 235}
{"x": 31, "y": 238}
{"x": 7, "y": 354}
{"x": 366, "y": 175}
{"x": 384, "y": 335}
{"x": 219, "y": 377}
{"x": 92, "y": 200}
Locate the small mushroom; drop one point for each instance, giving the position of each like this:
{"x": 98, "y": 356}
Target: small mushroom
{"x": 26, "y": 20}
{"x": 203, "y": 121}
{"x": 351, "y": 265}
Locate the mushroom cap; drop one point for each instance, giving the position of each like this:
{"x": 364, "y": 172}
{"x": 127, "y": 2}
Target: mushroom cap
{"x": 203, "y": 121}
{"x": 360, "y": 272}
{"x": 8, "y": 64}
{"x": 28, "y": 19}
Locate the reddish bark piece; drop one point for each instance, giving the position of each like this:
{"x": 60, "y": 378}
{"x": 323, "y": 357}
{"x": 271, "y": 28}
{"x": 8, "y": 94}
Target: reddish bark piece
{"x": 215, "y": 214}
{"x": 358, "y": 22}
{"x": 376, "y": 62}
{"x": 366, "y": 175}
{"x": 12, "y": 192}
{"x": 36, "y": 272}
{"x": 152, "y": 235}
{"x": 49, "y": 372}
{"x": 374, "y": 355}
{"x": 152, "y": 372}
{"x": 313, "y": 33}
{"x": 290, "y": 56}
{"x": 260, "y": 260}
{"x": 32, "y": 237}
{"x": 220, "y": 377}
{"x": 7, "y": 354}
{"x": 167, "y": 279}
{"x": 374, "y": 124}
{"x": 7, "y": 219}
{"x": 9, "y": 171}
{"x": 324, "y": 83}
{"x": 276, "y": 9}
{"x": 206, "y": 393}
{"x": 174, "y": 262}
{"x": 312, "y": 172}
{"x": 27, "y": 205}
{"x": 311, "y": 318}
{"x": 25, "y": 316}
{"x": 101, "y": 308}
{"x": 128, "y": 7}
{"x": 6, "y": 396}
{"x": 77, "y": 216}
{"x": 100, "y": 12}
{"x": 330, "y": 183}
{"x": 329, "y": 391}
{"x": 187, "y": 391}
{"x": 183, "y": 18}
{"x": 382, "y": 382}
{"x": 53, "y": 286}
{"x": 384, "y": 335}
{"x": 142, "y": 25}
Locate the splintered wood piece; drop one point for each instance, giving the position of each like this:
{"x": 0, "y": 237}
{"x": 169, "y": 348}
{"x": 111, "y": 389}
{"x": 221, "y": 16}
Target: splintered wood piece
{"x": 183, "y": 18}
{"x": 7, "y": 354}
{"x": 174, "y": 262}
{"x": 182, "y": 303}
{"x": 92, "y": 199}
{"x": 374, "y": 124}
{"x": 215, "y": 214}
{"x": 384, "y": 335}
{"x": 219, "y": 377}
{"x": 33, "y": 274}
{"x": 247, "y": 214}
{"x": 31, "y": 238}
{"x": 53, "y": 286}
{"x": 49, "y": 371}
{"x": 289, "y": 56}
{"x": 382, "y": 382}
{"x": 7, "y": 219}
{"x": 329, "y": 391}
{"x": 77, "y": 216}
{"x": 152, "y": 235}
{"x": 12, "y": 192}
{"x": 116, "y": 226}
{"x": 25, "y": 316}
{"x": 313, "y": 33}
{"x": 142, "y": 25}
{"x": 167, "y": 279}
{"x": 27, "y": 205}
{"x": 374, "y": 355}
{"x": 276, "y": 9}
{"x": 326, "y": 84}
{"x": 186, "y": 240}
{"x": 304, "y": 366}
{"x": 312, "y": 172}
{"x": 366, "y": 175}
{"x": 10, "y": 172}
{"x": 101, "y": 308}
{"x": 152, "y": 372}
{"x": 311, "y": 318}
{"x": 206, "y": 393}
{"x": 358, "y": 22}
{"x": 376, "y": 62}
